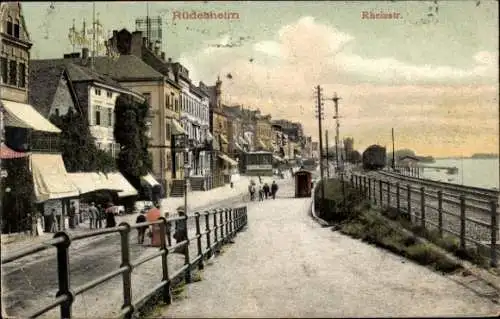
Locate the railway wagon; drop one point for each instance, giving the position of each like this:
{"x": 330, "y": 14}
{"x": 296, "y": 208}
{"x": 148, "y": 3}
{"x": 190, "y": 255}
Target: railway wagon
{"x": 374, "y": 157}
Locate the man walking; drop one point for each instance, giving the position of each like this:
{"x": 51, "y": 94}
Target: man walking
{"x": 93, "y": 215}
{"x": 267, "y": 191}
{"x": 274, "y": 189}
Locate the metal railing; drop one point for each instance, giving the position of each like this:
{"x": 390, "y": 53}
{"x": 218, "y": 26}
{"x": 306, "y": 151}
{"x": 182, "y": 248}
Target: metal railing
{"x": 457, "y": 215}
{"x": 221, "y": 225}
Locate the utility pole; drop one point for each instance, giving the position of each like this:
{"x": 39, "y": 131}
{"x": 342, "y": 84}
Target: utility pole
{"x": 337, "y": 124}
{"x": 319, "y": 114}
{"x": 93, "y": 36}
{"x": 393, "y": 154}
{"x": 327, "y": 156}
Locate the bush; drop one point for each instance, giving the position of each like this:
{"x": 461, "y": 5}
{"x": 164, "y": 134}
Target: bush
{"x": 423, "y": 254}
{"x": 340, "y": 200}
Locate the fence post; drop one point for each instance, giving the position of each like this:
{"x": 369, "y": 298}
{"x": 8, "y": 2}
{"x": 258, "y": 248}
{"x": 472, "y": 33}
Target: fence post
{"x": 365, "y": 183}
{"x": 221, "y": 226}
{"x": 227, "y": 213}
{"x": 369, "y": 188}
{"x": 440, "y": 213}
{"x": 494, "y": 229}
{"x": 422, "y": 206}
{"x": 375, "y": 191}
{"x": 388, "y": 194}
{"x": 462, "y": 221}
{"x": 408, "y": 203}
{"x": 63, "y": 274}
{"x": 198, "y": 240}
{"x": 398, "y": 200}
{"x": 187, "y": 274}
{"x": 216, "y": 229}
{"x": 207, "y": 229}
{"x": 352, "y": 179}
{"x": 127, "y": 274}
{"x": 167, "y": 298}
{"x": 380, "y": 186}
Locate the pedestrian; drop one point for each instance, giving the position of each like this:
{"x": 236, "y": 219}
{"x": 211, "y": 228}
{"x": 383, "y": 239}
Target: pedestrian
{"x": 261, "y": 193}
{"x": 274, "y": 189}
{"x": 58, "y": 215}
{"x": 100, "y": 213}
{"x": 251, "y": 190}
{"x": 110, "y": 216}
{"x": 180, "y": 234}
{"x": 141, "y": 231}
{"x": 48, "y": 218}
{"x": 72, "y": 215}
{"x": 93, "y": 214}
{"x": 267, "y": 191}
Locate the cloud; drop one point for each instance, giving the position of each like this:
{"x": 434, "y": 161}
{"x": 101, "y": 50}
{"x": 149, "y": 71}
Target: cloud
{"x": 279, "y": 75}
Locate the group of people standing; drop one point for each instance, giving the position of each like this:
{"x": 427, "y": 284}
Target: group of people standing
{"x": 97, "y": 214}
{"x": 263, "y": 190}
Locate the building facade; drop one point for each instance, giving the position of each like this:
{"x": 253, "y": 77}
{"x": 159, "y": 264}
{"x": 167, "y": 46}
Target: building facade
{"x": 263, "y": 132}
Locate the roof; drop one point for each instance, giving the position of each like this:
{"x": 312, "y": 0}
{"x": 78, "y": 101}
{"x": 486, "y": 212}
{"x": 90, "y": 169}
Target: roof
{"x": 158, "y": 65}
{"x": 44, "y": 82}
{"x": 78, "y": 70}
{"x": 126, "y": 67}
{"x": 199, "y": 92}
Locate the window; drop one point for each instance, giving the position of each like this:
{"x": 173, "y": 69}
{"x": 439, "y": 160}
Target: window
{"x": 109, "y": 94}
{"x": 22, "y": 75}
{"x": 56, "y": 111}
{"x": 97, "y": 91}
{"x": 168, "y": 132}
{"x": 10, "y": 26}
{"x": 3, "y": 67}
{"x": 177, "y": 105}
{"x": 13, "y": 73}
{"x": 147, "y": 95}
{"x": 97, "y": 115}
{"x": 110, "y": 117}
{"x": 16, "y": 29}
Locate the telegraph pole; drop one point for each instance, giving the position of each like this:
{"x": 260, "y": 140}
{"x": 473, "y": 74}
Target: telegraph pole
{"x": 327, "y": 156}
{"x": 319, "y": 114}
{"x": 393, "y": 154}
{"x": 336, "y": 101}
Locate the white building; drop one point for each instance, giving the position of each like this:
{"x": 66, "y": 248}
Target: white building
{"x": 195, "y": 119}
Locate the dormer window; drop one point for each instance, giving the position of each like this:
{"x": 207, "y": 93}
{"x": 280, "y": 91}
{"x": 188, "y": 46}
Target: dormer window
{"x": 10, "y": 26}
{"x": 16, "y": 29}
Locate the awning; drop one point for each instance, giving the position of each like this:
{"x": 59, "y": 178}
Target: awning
{"x": 7, "y": 153}
{"x": 50, "y": 178}
{"x": 91, "y": 181}
{"x": 224, "y": 139}
{"x": 228, "y": 159}
{"x": 279, "y": 159}
{"x": 150, "y": 180}
{"x": 119, "y": 180}
{"x": 24, "y": 115}
{"x": 177, "y": 128}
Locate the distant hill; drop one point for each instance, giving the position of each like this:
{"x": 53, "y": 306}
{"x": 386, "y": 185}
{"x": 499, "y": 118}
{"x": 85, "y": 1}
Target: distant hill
{"x": 484, "y": 155}
{"x": 408, "y": 152}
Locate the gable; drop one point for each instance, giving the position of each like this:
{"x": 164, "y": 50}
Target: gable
{"x": 14, "y": 10}
{"x": 63, "y": 100}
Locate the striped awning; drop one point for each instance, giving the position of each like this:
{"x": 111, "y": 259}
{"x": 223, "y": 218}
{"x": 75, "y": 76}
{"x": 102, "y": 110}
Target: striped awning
{"x": 243, "y": 141}
{"x": 177, "y": 128}
{"x": 7, "y": 153}
{"x": 277, "y": 158}
{"x": 228, "y": 159}
{"x": 239, "y": 147}
{"x": 25, "y": 116}
{"x": 262, "y": 144}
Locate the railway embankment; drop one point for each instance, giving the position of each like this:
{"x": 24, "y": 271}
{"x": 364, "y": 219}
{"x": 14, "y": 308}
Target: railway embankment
{"x": 348, "y": 210}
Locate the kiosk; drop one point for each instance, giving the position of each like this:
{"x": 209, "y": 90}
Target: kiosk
{"x": 303, "y": 184}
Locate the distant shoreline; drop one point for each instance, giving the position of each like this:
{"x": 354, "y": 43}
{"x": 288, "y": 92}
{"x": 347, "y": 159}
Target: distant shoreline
{"x": 493, "y": 156}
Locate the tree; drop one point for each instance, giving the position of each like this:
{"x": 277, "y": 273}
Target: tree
{"x": 78, "y": 147}
{"x": 134, "y": 159}
{"x": 355, "y": 157}
{"x": 18, "y": 196}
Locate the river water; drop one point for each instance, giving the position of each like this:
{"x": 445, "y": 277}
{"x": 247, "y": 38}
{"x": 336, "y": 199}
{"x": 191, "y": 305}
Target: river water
{"x": 471, "y": 172}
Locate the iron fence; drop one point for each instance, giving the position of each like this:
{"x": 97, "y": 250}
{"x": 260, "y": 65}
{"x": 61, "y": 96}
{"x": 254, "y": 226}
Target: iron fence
{"x": 473, "y": 221}
{"x": 220, "y": 226}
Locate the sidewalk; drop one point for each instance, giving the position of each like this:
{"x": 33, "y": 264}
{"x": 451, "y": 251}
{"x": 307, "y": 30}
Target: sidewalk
{"x": 196, "y": 200}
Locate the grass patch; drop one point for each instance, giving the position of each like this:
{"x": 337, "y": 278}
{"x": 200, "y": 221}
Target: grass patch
{"x": 372, "y": 229}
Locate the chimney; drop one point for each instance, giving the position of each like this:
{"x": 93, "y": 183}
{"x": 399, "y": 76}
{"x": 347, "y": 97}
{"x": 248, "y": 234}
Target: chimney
{"x": 85, "y": 53}
{"x": 163, "y": 56}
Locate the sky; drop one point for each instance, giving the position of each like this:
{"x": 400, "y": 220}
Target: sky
{"x": 431, "y": 77}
